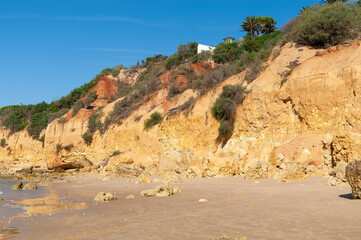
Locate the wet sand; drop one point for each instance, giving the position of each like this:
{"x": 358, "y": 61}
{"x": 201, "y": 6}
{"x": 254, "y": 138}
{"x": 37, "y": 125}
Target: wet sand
{"x": 257, "y": 209}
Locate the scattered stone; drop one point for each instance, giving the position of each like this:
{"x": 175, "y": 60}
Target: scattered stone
{"x": 17, "y": 186}
{"x": 157, "y": 180}
{"x": 332, "y": 181}
{"x": 106, "y": 178}
{"x": 202, "y": 200}
{"x": 353, "y": 176}
{"x": 104, "y": 197}
{"x": 172, "y": 180}
{"x": 67, "y": 181}
{"x": 30, "y": 186}
{"x": 144, "y": 178}
{"x": 160, "y": 191}
{"x": 130, "y": 197}
{"x": 127, "y": 171}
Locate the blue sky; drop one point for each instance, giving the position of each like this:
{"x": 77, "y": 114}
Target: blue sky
{"x": 49, "y": 47}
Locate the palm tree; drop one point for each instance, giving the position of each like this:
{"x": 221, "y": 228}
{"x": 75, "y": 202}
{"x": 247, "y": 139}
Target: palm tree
{"x": 267, "y": 25}
{"x": 250, "y": 25}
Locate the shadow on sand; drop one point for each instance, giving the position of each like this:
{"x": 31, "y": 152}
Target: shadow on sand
{"x": 347, "y": 196}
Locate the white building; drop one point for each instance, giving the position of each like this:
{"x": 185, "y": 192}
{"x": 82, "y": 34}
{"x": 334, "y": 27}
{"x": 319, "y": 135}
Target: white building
{"x": 202, "y": 48}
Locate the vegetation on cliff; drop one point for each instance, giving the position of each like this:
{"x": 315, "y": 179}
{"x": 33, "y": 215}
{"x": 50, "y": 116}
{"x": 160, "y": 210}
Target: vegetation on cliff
{"x": 35, "y": 118}
{"x": 153, "y": 120}
{"x": 225, "y": 108}
{"x": 325, "y": 25}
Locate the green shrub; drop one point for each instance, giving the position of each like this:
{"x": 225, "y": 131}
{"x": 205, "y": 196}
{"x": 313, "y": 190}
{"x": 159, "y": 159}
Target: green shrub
{"x": 184, "y": 54}
{"x": 77, "y": 106}
{"x": 116, "y": 70}
{"x": 58, "y": 114}
{"x": 202, "y": 57}
{"x": 88, "y": 138}
{"x": 42, "y": 139}
{"x": 59, "y": 147}
{"x": 68, "y": 147}
{"x": 3, "y": 143}
{"x": 155, "y": 118}
{"x": 38, "y": 122}
{"x": 92, "y": 96}
{"x": 115, "y": 153}
{"x": 227, "y": 52}
{"x": 327, "y": 25}
{"x": 224, "y": 110}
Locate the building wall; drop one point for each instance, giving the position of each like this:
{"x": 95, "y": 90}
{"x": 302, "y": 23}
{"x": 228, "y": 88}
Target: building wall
{"x": 202, "y": 48}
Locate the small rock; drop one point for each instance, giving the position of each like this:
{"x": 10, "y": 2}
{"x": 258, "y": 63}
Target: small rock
{"x": 17, "y": 186}
{"x": 67, "y": 181}
{"x": 1, "y": 199}
{"x": 172, "y": 180}
{"x": 144, "y": 178}
{"x": 106, "y": 178}
{"x": 104, "y": 197}
{"x": 203, "y": 200}
{"x": 160, "y": 191}
{"x": 332, "y": 181}
{"x": 130, "y": 197}
{"x": 30, "y": 186}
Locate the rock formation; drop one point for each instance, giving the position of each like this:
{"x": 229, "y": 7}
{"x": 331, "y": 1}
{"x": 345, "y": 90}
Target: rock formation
{"x": 104, "y": 197}
{"x": 288, "y": 131}
{"x": 160, "y": 191}
{"x": 353, "y": 176}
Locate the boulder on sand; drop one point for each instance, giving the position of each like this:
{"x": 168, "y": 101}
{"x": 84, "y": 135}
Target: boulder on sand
{"x": 353, "y": 176}
{"x": 17, "y": 186}
{"x": 104, "y": 197}
{"x": 30, "y": 186}
{"x": 160, "y": 191}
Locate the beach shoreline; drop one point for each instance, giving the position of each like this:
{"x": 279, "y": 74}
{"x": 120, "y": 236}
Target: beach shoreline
{"x": 257, "y": 209}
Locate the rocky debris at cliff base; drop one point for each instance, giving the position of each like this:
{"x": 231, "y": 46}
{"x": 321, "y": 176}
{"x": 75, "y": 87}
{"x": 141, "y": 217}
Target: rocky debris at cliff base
{"x": 353, "y": 176}
{"x": 172, "y": 179}
{"x": 160, "y": 191}
{"x": 17, "y": 186}
{"x": 104, "y": 197}
{"x": 126, "y": 171}
{"x": 226, "y": 237}
{"x": 30, "y": 186}
{"x": 144, "y": 178}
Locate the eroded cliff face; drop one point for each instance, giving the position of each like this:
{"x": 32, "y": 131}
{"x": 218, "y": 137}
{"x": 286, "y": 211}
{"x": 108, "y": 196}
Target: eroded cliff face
{"x": 290, "y": 128}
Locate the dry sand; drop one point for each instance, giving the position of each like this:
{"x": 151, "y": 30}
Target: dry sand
{"x": 257, "y": 209}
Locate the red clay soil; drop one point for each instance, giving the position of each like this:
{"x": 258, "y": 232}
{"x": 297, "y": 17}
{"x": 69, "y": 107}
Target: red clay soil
{"x": 202, "y": 67}
{"x": 105, "y": 88}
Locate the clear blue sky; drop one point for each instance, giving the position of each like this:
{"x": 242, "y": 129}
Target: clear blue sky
{"x": 49, "y": 47}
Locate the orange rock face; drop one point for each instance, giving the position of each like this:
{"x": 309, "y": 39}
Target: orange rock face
{"x": 289, "y": 127}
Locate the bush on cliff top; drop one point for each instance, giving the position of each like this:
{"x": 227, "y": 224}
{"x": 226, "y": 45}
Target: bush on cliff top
{"x": 326, "y": 25}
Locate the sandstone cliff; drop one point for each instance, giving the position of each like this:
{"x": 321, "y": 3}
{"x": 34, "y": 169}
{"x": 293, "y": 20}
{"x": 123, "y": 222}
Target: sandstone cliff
{"x": 290, "y": 127}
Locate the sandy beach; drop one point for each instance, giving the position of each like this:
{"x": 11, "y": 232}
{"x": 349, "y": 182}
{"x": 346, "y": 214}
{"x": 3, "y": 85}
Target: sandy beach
{"x": 257, "y": 209}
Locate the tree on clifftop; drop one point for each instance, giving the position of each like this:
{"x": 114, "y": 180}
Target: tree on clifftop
{"x": 257, "y": 26}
